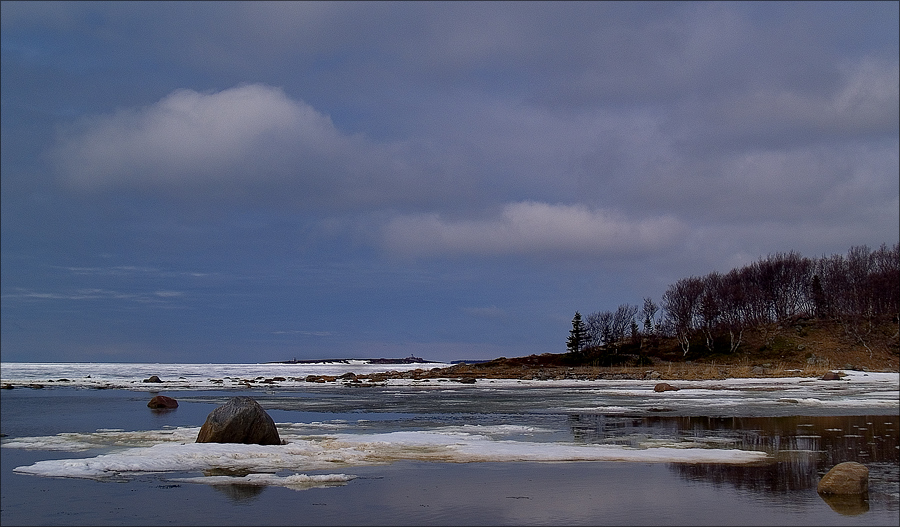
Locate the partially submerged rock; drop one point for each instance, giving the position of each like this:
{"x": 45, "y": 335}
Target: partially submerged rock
{"x": 664, "y": 387}
{"x": 162, "y": 402}
{"x": 153, "y": 378}
{"x": 240, "y": 420}
{"x": 845, "y": 478}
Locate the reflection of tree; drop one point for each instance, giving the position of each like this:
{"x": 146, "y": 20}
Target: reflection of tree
{"x": 803, "y": 448}
{"x": 240, "y": 493}
{"x": 779, "y": 476}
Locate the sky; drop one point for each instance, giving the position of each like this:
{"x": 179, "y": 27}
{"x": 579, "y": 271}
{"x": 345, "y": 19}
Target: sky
{"x": 231, "y": 182}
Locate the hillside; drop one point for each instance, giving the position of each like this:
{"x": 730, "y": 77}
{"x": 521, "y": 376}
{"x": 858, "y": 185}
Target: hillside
{"x": 808, "y": 345}
{"x": 804, "y": 348}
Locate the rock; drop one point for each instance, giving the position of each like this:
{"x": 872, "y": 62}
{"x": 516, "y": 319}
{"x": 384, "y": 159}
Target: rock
{"x": 161, "y": 401}
{"x": 240, "y": 420}
{"x": 466, "y": 380}
{"x": 831, "y": 376}
{"x": 845, "y": 478}
{"x": 664, "y": 387}
{"x": 153, "y": 378}
{"x": 652, "y": 375}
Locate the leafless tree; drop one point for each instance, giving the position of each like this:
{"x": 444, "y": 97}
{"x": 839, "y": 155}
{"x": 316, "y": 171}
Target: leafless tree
{"x": 681, "y": 301}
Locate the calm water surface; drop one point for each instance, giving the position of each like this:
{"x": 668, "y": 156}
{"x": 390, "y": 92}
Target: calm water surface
{"x": 777, "y": 491}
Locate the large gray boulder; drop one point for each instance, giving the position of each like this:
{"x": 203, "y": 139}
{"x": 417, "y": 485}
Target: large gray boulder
{"x": 240, "y": 420}
{"x": 845, "y": 478}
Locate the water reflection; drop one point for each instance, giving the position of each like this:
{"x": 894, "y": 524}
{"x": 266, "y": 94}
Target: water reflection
{"x": 802, "y": 449}
{"x": 240, "y": 493}
{"x": 847, "y": 505}
{"x": 236, "y": 492}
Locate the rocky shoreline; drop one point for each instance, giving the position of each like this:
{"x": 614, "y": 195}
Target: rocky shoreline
{"x": 471, "y": 373}
{"x": 545, "y": 367}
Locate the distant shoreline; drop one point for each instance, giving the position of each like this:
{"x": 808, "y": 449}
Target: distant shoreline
{"x": 407, "y": 360}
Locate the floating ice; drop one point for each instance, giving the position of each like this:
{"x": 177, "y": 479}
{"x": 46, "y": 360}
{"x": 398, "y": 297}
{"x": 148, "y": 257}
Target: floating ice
{"x": 103, "y": 438}
{"x": 452, "y": 444}
{"x": 185, "y": 376}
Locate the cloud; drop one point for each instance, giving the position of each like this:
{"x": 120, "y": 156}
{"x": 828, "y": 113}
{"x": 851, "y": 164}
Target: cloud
{"x": 247, "y": 143}
{"x": 532, "y": 228}
{"x": 863, "y": 102}
{"x": 150, "y": 297}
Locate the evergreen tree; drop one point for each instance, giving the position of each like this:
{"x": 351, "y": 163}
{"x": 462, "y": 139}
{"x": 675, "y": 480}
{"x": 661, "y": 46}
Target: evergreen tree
{"x": 578, "y": 336}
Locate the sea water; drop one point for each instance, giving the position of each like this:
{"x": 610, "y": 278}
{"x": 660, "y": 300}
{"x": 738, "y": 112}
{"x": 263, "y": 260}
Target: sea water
{"x": 87, "y": 450}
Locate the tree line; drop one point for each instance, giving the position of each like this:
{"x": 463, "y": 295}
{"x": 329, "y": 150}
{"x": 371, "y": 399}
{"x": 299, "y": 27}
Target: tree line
{"x": 858, "y": 290}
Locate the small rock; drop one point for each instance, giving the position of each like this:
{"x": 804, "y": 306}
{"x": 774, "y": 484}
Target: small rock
{"x": 664, "y": 387}
{"x": 153, "y": 378}
{"x": 161, "y": 401}
{"x": 831, "y": 376}
{"x": 845, "y": 478}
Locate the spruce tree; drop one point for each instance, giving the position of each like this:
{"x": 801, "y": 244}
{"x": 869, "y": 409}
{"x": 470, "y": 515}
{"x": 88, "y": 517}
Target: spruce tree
{"x": 577, "y": 335}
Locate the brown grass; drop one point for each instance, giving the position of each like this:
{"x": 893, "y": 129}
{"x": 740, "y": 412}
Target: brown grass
{"x": 711, "y": 371}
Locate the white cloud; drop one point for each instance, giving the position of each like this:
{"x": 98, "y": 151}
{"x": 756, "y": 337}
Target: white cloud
{"x": 247, "y": 143}
{"x": 532, "y": 228}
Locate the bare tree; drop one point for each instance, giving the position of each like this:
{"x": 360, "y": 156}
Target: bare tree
{"x": 599, "y": 328}
{"x": 710, "y": 308}
{"x": 732, "y": 297}
{"x": 650, "y": 325}
{"x": 681, "y": 301}
{"x": 621, "y": 323}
